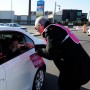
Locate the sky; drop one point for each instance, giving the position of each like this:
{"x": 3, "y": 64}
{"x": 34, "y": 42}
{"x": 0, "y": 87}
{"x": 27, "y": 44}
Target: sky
{"x": 20, "y": 7}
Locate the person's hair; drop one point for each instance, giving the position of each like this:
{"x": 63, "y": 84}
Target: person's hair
{"x": 42, "y": 21}
{"x": 47, "y": 23}
{"x": 14, "y": 38}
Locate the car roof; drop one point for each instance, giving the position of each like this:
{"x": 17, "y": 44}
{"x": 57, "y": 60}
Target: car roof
{"x": 11, "y": 23}
{"x": 6, "y": 28}
{"x": 1, "y": 26}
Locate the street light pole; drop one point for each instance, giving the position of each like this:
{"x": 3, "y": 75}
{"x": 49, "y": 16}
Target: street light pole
{"x": 11, "y": 11}
{"x": 54, "y": 13}
{"x": 29, "y": 12}
{"x": 59, "y": 6}
{"x": 55, "y": 8}
{"x": 88, "y": 17}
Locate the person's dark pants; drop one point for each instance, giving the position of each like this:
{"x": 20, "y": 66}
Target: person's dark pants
{"x": 66, "y": 82}
{"x": 67, "y": 85}
{"x": 59, "y": 64}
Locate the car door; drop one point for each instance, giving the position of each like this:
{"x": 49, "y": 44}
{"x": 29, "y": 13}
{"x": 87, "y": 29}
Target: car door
{"x": 2, "y": 78}
{"x": 20, "y": 71}
{"x": 2, "y": 70}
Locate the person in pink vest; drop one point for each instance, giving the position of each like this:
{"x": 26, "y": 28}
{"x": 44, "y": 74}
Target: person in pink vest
{"x": 64, "y": 48}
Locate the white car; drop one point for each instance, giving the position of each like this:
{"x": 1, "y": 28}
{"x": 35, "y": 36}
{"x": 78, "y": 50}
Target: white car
{"x": 88, "y": 31}
{"x": 24, "y": 71}
{"x": 16, "y": 25}
{"x": 1, "y": 24}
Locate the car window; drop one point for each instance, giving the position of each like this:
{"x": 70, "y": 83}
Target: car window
{"x": 11, "y": 25}
{"x": 16, "y": 25}
{"x": 29, "y": 39}
{"x": 7, "y": 24}
{"x": 13, "y": 44}
{"x": 29, "y": 42}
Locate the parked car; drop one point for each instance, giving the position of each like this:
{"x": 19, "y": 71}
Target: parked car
{"x": 24, "y": 70}
{"x": 16, "y": 25}
{"x": 88, "y": 31}
{"x": 2, "y": 24}
{"x": 70, "y": 25}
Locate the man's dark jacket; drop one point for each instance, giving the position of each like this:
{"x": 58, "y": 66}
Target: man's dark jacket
{"x": 76, "y": 62}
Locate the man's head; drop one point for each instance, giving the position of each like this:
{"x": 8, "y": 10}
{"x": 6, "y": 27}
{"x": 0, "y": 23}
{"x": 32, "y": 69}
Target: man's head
{"x": 41, "y": 23}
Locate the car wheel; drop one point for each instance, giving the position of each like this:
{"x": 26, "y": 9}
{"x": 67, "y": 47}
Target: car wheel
{"x": 39, "y": 79}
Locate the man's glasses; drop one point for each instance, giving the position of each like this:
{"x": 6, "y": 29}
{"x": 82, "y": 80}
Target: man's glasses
{"x": 36, "y": 28}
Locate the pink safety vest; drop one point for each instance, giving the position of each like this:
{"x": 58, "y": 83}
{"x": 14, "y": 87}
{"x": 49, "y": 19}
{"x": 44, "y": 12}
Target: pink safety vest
{"x": 70, "y": 34}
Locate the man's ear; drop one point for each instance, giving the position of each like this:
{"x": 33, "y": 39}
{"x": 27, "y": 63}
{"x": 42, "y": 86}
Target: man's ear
{"x": 40, "y": 25}
{"x": 42, "y": 29}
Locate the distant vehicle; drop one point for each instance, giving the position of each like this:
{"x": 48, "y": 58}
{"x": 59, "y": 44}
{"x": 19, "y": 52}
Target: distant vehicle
{"x": 16, "y": 25}
{"x": 70, "y": 25}
{"x": 2, "y": 24}
{"x": 25, "y": 70}
{"x": 88, "y": 31}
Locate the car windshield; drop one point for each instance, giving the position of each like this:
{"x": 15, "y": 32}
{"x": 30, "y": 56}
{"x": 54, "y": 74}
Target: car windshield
{"x": 16, "y": 25}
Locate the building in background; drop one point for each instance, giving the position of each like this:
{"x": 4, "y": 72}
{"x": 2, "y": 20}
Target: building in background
{"x": 84, "y": 17}
{"x": 69, "y": 15}
{"x": 66, "y": 15}
{"x": 8, "y": 16}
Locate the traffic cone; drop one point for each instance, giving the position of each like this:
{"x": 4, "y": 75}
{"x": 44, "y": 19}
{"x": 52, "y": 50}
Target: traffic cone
{"x": 84, "y": 28}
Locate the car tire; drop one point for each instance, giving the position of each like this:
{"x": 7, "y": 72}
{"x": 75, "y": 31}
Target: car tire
{"x": 39, "y": 79}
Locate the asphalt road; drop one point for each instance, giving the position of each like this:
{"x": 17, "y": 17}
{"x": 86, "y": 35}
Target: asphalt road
{"x": 51, "y": 82}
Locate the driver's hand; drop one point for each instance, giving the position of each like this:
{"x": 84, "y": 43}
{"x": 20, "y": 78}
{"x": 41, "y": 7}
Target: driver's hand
{"x": 29, "y": 45}
{"x": 19, "y": 45}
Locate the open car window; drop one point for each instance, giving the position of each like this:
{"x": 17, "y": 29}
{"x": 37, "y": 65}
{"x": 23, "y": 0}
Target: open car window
{"x": 13, "y": 44}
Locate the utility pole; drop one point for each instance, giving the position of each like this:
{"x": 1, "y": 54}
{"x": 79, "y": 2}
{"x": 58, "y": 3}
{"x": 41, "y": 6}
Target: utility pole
{"x": 11, "y": 12}
{"x": 29, "y": 12}
{"x": 54, "y": 13}
{"x": 88, "y": 17}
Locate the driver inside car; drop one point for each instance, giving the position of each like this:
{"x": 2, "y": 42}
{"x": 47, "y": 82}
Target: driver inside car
{"x": 16, "y": 48}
